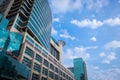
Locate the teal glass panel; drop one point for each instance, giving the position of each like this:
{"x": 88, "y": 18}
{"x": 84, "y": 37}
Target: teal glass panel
{"x": 30, "y": 40}
{"x": 21, "y": 69}
{"x": 41, "y": 49}
{"x": 15, "y": 43}
{"x": 3, "y": 39}
{"x": 79, "y": 69}
{"x": 38, "y": 47}
{"x": 37, "y": 67}
{"x": 11, "y": 68}
{"x": 44, "y": 71}
{"x": 3, "y": 23}
{"x": 35, "y": 76}
{"x": 3, "y": 32}
{"x": 46, "y": 63}
{"x": 40, "y": 22}
{"x": 0, "y": 17}
{"x": 56, "y": 42}
{"x": 29, "y": 52}
{"x": 27, "y": 62}
{"x": 16, "y": 26}
{"x": 45, "y": 52}
{"x": 38, "y": 58}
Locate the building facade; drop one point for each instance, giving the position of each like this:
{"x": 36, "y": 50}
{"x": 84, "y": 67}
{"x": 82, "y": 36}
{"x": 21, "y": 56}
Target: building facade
{"x": 79, "y": 69}
{"x": 32, "y": 45}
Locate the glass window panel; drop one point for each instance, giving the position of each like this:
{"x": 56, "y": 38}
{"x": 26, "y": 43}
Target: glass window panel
{"x": 38, "y": 58}
{"x": 29, "y": 52}
{"x": 35, "y": 77}
{"x": 27, "y": 62}
{"x": 51, "y": 74}
{"x": 45, "y": 71}
{"x": 46, "y": 63}
{"x": 37, "y": 67}
{"x": 51, "y": 67}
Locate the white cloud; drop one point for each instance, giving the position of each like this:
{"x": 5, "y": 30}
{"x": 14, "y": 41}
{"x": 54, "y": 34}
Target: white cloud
{"x": 94, "y": 24}
{"x": 112, "y": 45}
{"x": 64, "y": 6}
{"x": 56, "y": 19}
{"x": 78, "y": 52}
{"x": 54, "y": 32}
{"x": 112, "y": 22}
{"x": 102, "y": 54}
{"x": 93, "y": 39}
{"x": 100, "y": 74}
{"x": 87, "y": 23}
{"x": 96, "y": 4}
{"x": 109, "y": 58}
{"x": 66, "y": 35}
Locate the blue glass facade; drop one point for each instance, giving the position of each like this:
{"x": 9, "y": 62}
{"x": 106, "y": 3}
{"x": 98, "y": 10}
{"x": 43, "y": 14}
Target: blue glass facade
{"x": 26, "y": 43}
{"x": 10, "y": 43}
{"x": 80, "y": 69}
{"x": 40, "y": 22}
{"x": 35, "y": 15}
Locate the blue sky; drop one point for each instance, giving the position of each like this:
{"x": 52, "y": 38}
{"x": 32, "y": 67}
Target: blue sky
{"x": 91, "y": 30}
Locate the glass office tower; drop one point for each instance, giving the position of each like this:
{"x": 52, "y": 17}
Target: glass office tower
{"x": 40, "y": 22}
{"x": 31, "y": 15}
{"x": 79, "y": 69}
{"x": 80, "y": 72}
{"x": 37, "y": 51}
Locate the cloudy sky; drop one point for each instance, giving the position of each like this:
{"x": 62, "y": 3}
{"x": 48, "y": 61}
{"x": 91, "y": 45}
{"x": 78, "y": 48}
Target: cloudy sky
{"x": 91, "y": 30}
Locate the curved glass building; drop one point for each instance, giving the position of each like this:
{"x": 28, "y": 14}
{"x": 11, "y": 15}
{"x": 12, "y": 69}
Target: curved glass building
{"x": 35, "y": 15}
{"x": 30, "y": 43}
{"x": 40, "y": 22}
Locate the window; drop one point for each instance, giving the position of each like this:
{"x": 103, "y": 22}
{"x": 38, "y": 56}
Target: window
{"x": 46, "y": 63}
{"x": 38, "y": 58}
{"x": 56, "y": 77}
{"x": 56, "y": 69}
{"x": 57, "y": 55}
{"x": 45, "y": 71}
{"x": 37, "y": 67}
{"x": 35, "y": 77}
{"x": 51, "y": 75}
{"x": 43, "y": 78}
{"x": 64, "y": 75}
{"x": 27, "y": 62}
{"x": 60, "y": 72}
{"x": 29, "y": 52}
{"x": 51, "y": 67}
{"x": 60, "y": 78}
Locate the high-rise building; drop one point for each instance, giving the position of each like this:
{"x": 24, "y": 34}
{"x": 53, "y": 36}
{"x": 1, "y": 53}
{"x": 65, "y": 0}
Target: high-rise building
{"x": 28, "y": 42}
{"x": 79, "y": 69}
{"x": 31, "y": 15}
